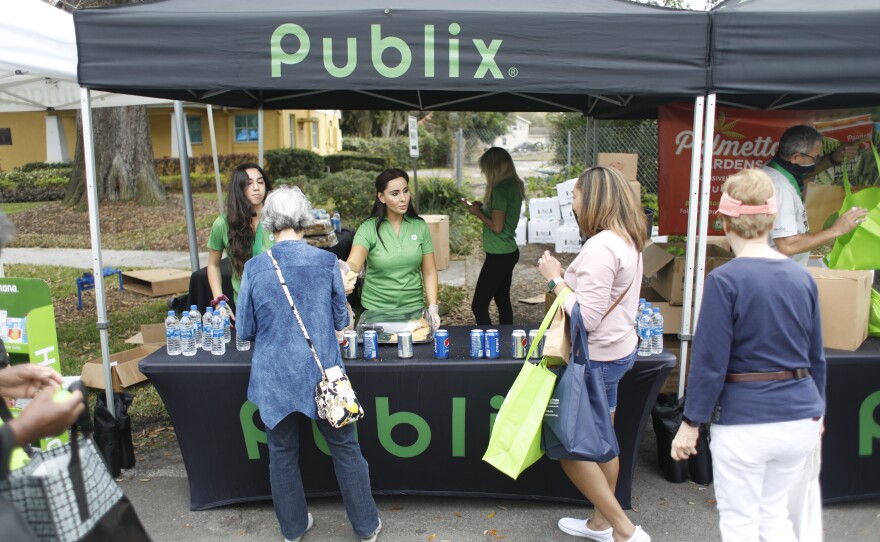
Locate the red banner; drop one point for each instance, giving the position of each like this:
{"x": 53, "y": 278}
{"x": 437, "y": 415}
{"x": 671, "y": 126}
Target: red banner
{"x": 743, "y": 139}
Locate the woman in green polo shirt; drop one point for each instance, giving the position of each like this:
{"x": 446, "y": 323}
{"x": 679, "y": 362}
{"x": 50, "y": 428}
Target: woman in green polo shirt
{"x": 396, "y": 245}
{"x": 238, "y": 231}
{"x": 504, "y": 196}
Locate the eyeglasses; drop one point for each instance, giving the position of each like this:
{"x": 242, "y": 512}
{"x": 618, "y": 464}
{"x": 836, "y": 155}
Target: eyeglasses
{"x": 815, "y": 159}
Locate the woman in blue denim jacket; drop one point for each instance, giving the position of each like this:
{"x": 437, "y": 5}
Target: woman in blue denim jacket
{"x": 284, "y": 373}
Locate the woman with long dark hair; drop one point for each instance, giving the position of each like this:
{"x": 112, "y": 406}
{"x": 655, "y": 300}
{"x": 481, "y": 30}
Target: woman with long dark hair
{"x": 499, "y": 214}
{"x": 396, "y": 245}
{"x": 238, "y": 231}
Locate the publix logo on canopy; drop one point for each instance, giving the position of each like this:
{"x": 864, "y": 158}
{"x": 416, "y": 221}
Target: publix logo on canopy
{"x": 296, "y": 51}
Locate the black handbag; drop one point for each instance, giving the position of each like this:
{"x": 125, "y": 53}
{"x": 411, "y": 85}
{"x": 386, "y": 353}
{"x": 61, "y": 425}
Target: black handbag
{"x": 113, "y": 433}
{"x": 666, "y": 418}
{"x": 66, "y": 494}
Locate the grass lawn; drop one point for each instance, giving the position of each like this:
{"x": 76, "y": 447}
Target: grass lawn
{"x": 12, "y": 208}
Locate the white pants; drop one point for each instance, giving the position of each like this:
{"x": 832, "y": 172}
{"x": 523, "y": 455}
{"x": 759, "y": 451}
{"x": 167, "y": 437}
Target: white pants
{"x": 754, "y": 467}
{"x": 805, "y": 500}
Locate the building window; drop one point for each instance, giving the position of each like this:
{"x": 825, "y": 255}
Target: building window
{"x": 246, "y": 128}
{"x": 292, "y": 131}
{"x": 5, "y": 136}
{"x": 315, "y": 141}
{"x": 194, "y": 126}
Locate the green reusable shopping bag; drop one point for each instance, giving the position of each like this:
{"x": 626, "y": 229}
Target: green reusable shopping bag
{"x": 860, "y": 248}
{"x": 515, "y": 442}
{"x": 874, "y": 320}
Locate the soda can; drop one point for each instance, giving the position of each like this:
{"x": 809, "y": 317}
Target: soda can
{"x": 492, "y": 344}
{"x": 441, "y": 344}
{"x": 477, "y": 338}
{"x": 539, "y": 350}
{"x": 350, "y": 345}
{"x": 404, "y": 344}
{"x": 371, "y": 344}
{"x": 518, "y": 343}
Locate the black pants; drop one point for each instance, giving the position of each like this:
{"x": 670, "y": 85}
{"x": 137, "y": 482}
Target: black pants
{"x": 494, "y": 283}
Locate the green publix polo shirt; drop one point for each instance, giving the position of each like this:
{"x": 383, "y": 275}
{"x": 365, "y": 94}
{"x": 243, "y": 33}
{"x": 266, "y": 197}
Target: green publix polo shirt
{"x": 505, "y": 197}
{"x": 219, "y": 241}
{"x": 394, "y": 278}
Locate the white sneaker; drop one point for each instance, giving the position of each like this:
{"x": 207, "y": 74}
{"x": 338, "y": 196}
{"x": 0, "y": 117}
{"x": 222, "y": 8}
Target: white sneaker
{"x": 308, "y": 527}
{"x": 578, "y": 527}
{"x": 375, "y": 535}
{"x": 639, "y": 536}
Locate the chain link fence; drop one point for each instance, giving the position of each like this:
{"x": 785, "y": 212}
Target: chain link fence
{"x": 551, "y": 153}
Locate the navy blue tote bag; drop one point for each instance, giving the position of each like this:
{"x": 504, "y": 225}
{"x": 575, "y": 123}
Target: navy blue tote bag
{"x": 577, "y": 423}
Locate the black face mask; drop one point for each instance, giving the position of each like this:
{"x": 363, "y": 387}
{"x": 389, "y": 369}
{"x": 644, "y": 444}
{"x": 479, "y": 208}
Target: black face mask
{"x": 798, "y": 171}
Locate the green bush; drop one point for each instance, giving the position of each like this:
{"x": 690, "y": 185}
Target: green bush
{"x": 34, "y": 185}
{"x": 433, "y": 152}
{"x": 203, "y": 164}
{"x": 442, "y": 196}
{"x": 35, "y": 166}
{"x": 284, "y": 163}
{"x": 354, "y": 160}
{"x": 541, "y": 187}
{"x": 200, "y": 182}
{"x": 351, "y": 192}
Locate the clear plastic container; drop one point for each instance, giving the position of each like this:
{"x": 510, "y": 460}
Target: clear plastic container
{"x": 387, "y": 322}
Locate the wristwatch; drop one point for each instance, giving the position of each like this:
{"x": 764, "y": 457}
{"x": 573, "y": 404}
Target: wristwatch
{"x": 554, "y": 283}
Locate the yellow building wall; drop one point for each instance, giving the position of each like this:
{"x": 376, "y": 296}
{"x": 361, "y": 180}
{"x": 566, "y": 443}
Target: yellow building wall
{"x": 29, "y": 133}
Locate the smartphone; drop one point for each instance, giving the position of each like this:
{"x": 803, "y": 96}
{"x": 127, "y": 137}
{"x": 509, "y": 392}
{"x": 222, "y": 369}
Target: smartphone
{"x": 465, "y": 201}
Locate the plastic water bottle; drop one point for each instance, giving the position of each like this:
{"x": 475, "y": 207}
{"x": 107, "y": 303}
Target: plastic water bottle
{"x": 639, "y": 312}
{"x": 196, "y": 318}
{"x": 336, "y": 220}
{"x": 657, "y": 335}
{"x": 224, "y": 313}
{"x": 172, "y": 334}
{"x": 207, "y": 337}
{"x": 187, "y": 335}
{"x": 646, "y": 328}
{"x": 241, "y": 344}
{"x": 218, "y": 345}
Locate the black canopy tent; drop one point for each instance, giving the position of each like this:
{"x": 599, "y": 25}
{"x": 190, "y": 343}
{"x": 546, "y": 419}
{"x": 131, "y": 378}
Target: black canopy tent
{"x": 511, "y": 55}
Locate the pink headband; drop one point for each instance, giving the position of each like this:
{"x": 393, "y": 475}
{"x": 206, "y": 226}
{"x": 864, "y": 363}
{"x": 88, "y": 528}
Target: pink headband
{"x": 732, "y": 207}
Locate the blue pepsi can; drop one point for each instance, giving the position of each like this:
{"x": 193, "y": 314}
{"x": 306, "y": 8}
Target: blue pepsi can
{"x": 371, "y": 344}
{"x": 492, "y": 344}
{"x": 350, "y": 345}
{"x": 477, "y": 338}
{"x": 441, "y": 344}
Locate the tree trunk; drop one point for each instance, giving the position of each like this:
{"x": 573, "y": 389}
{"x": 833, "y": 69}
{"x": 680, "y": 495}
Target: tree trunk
{"x": 124, "y": 164}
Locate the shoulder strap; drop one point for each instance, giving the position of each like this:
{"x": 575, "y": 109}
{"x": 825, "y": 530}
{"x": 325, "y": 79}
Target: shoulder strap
{"x": 619, "y": 299}
{"x": 295, "y": 312}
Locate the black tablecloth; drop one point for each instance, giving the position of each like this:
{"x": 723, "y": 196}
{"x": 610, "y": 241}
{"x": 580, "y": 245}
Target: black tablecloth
{"x": 851, "y": 445}
{"x": 425, "y": 431}
{"x": 200, "y": 293}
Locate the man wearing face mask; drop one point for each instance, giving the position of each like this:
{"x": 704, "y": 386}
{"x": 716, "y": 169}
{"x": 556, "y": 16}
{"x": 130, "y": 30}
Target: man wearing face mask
{"x": 797, "y": 158}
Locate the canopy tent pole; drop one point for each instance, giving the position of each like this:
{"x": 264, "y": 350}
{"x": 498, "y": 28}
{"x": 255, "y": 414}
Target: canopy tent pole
{"x": 216, "y": 159}
{"x": 685, "y": 330}
{"x": 95, "y": 233}
{"x": 709, "y": 135}
{"x": 260, "y": 138}
{"x": 187, "y": 188}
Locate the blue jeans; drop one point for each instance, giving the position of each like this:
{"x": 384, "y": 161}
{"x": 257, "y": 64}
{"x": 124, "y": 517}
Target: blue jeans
{"x": 612, "y": 372}
{"x": 352, "y": 473}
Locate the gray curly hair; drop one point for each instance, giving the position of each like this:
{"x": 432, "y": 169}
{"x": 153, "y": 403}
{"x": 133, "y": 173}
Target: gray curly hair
{"x": 286, "y": 207}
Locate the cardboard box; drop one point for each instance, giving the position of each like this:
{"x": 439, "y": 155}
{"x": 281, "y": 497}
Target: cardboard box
{"x": 156, "y": 282}
{"x": 124, "y": 370}
{"x": 522, "y": 228}
{"x": 637, "y": 190}
{"x": 674, "y": 346}
{"x": 565, "y": 191}
{"x": 438, "y": 225}
{"x": 567, "y": 214}
{"x": 671, "y": 313}
{"x": 150, "y": 335}
{"x": 568, "y": 238}
{"x": 544, "y": 209}
{"x": 542, "y": 231}
{"x": 845, "y": 302}
{"x": 666, "y": 270}
{"x": 627, "y": 163}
